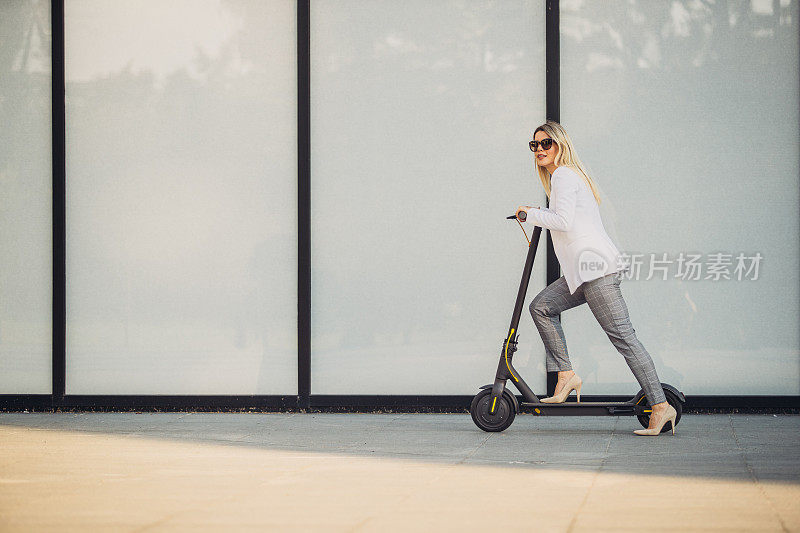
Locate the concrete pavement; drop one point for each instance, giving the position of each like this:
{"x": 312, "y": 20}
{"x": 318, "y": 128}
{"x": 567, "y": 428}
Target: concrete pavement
{"x": 394, "y": 472}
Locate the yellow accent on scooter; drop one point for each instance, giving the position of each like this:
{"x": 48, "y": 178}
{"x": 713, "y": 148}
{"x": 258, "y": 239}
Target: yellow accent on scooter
{"x": 507, "y": 365}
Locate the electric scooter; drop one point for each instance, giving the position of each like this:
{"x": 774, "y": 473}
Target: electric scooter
{"x": 495, "y": 406}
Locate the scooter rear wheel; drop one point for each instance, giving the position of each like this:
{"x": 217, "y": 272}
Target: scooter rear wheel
{"x": 673, "y": 400}
{"x": 504, "y": 411}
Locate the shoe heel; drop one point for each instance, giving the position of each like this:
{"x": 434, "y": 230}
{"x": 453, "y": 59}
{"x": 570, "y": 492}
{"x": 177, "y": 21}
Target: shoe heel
{"x": 578, "y": 390}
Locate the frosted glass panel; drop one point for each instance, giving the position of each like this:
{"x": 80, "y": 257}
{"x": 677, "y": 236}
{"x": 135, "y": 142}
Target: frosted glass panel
{"x": 181, "y": 197}
{"x": 421, "y": 114}
{"x": 687, "y": 115}
{"x": 26, "y": 243}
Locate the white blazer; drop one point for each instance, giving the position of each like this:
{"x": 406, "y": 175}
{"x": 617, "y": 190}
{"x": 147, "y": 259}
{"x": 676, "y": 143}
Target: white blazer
{"x": 583, "y": 248}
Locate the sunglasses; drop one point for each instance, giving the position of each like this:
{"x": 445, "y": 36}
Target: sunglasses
{"x": 546, "y": 144}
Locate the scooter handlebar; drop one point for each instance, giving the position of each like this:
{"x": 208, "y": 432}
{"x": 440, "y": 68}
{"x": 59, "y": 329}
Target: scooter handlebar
{"x": 522, "y": 216}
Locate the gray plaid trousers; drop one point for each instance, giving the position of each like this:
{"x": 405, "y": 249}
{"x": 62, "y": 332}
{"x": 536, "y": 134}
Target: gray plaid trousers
{"x": 606, "y": 303}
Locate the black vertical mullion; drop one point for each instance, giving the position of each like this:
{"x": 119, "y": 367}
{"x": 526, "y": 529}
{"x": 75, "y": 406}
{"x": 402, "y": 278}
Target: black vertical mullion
{"x": 59, "y": 203}
{"x": 553, "y": 104}
{"x": 303, "y": 205}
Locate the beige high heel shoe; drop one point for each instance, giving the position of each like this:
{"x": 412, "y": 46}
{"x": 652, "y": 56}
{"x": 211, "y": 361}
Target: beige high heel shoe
{"x": 668, "y": 415}
{"x": 574, "y": 382}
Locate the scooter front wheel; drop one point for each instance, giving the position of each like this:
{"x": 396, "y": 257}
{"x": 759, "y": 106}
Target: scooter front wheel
{"x": 504, "y": 411}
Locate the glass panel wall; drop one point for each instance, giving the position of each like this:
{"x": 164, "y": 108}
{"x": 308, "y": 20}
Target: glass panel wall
{"x": 421, "y": 114}
{"x": 26, "y": 242}
{"x": 181, "y": 197}
{"x": 686, "y": 113}
{"x": 181, "y": 192}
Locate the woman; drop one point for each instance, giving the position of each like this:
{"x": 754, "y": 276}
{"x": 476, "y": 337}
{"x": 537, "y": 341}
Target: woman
{"x": 592, "y": 273}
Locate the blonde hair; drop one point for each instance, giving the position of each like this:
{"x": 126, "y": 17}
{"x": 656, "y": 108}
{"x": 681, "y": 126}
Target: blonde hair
{"x": 566, "y": 157}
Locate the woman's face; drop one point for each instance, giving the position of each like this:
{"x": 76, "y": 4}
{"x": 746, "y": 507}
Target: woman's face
{"x": 545, "y": 158}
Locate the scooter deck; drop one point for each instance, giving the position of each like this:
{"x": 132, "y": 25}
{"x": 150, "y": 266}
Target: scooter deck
{"x": 578, "y": 404}
{"x": 583, "y": 408}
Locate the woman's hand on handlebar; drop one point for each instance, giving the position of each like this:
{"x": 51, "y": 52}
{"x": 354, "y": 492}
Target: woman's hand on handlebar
{"x": 524, "y": 208}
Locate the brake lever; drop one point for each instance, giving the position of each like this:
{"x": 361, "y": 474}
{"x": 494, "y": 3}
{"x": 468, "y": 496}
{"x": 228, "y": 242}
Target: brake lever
{"x": 522, "y": 216}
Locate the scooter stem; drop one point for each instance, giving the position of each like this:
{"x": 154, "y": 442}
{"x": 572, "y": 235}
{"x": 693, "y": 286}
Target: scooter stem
{"x": 505, "y": 369}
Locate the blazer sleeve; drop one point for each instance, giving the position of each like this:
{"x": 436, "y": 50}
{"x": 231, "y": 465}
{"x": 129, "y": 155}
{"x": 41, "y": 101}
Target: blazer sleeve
{"x": 561, "y": 215}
